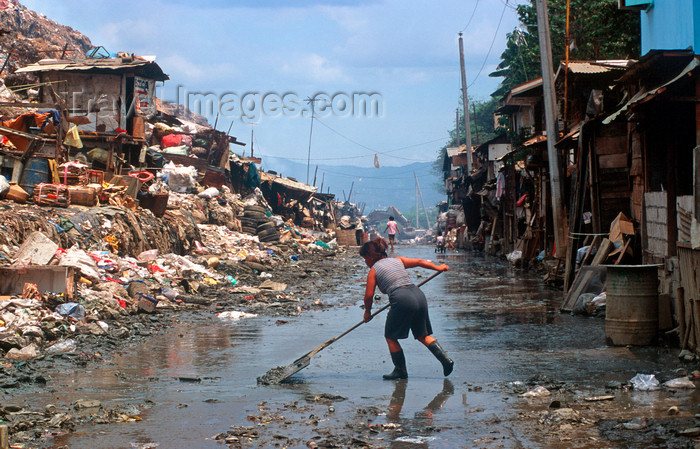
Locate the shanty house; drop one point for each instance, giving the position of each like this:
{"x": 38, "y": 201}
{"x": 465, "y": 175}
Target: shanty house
{"x": 111, "y": 94}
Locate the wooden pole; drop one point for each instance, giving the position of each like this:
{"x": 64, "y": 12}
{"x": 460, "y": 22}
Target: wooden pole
{"x": 427, "y": 220}
{"x": 550, "y": 107}
{"x": 476, "y": 127}
{"x": 465, "y": 104}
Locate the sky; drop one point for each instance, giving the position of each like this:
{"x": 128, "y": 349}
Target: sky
{"x": 259, "y": 61}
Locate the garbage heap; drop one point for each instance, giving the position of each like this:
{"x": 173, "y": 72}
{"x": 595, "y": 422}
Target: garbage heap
{"x": 75, "y": 271}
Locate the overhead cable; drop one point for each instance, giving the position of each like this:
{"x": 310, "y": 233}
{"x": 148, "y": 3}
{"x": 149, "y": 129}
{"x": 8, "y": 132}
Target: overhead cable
{"x": 495, "y": 35}
{"x": 470, "y": 17}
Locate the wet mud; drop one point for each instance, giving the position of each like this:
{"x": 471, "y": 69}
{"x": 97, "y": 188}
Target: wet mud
{"x": 192, "y": 382}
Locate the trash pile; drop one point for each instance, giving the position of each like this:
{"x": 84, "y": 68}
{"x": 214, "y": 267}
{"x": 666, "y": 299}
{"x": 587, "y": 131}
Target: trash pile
{"x": 83, "y": 271}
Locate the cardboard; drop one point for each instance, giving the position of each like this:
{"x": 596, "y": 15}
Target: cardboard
{"x": 619, "y": 228}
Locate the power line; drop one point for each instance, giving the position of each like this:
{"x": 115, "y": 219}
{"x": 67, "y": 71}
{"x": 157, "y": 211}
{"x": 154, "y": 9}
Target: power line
{"x": 470, "y": 17}
{"x": 376, "y": 177}
{"x": 372, "y": 150}
{"x": 505, "y": 5}
{"x": 505, "y": 2}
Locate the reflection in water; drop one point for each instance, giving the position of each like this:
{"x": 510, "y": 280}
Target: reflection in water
{"x": 188, "y": 349}
{"x": 421, "y": 418}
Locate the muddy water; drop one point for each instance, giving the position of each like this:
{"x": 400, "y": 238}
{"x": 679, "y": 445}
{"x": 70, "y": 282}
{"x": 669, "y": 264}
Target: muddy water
{"x": 499, "y": 325}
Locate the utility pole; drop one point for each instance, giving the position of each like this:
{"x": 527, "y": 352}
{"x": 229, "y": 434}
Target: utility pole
{"x": 251, "y": 141}
{"x": 311, "y": 101}
{"x": 416, "y": 194}
{"x": 425, "y": 211}
{"x": 457, "y": 124}
{"x": 465, "y": 104}
{"x": 476, "y": 127}
{"x": 550, "y": 109}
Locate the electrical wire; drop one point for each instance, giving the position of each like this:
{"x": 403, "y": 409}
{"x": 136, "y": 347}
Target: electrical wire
{"x": 505, "y": 2}
{"x": 400, "y": 175}
{"x": 376, "y": 177}
{"x": 493, "y": 41}
{"x": 470, "y": 17}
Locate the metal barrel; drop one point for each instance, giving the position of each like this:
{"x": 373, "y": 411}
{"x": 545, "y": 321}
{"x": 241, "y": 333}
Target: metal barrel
{"x": 35, "y": 172}
{"x": 632, "y": 305}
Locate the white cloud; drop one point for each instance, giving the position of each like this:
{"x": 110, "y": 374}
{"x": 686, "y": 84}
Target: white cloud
{"x": 313, "y": 67}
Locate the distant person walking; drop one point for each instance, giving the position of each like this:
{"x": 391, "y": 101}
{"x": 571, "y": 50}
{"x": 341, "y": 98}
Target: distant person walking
{"x": 393, "y": 228}
{"x": 409, "y": 308}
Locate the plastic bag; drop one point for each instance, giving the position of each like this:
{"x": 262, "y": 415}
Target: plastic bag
{"x": 72, "y": 310}
{"x": 211, "y": 192}
{"x": 76, "y": 257}
{"x": 235, "y": 315}
{"x": 180, "y": 178}
{"x": 62, "y": 346}
{"x": 4, "y": 187}
{"x": 73, "y": 138}
{"x": 181, "y": 150}
{"x": 322, "y": 244}
{"x": 538, "y": 391}
{"x": 514, "y": 256}
{"x": 645, "y": 382}
{"x": 680, "y": 383}
{"x": 100, "y": 155}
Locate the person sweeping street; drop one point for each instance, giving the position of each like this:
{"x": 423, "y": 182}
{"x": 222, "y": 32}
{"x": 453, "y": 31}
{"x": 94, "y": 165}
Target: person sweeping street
{"x": 409, "y": 308}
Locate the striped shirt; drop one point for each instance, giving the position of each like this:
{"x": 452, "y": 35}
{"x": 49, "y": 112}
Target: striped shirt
{"x": 391, "y": 274}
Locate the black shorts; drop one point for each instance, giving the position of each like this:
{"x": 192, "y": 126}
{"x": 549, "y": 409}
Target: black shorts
{"x": 409, "y": 310}
{"x": 391, "y": 237}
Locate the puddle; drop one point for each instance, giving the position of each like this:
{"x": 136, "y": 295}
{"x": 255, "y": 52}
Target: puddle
{"x": 499, "y": 326}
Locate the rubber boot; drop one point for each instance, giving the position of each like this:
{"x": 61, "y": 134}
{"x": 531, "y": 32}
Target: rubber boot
{"x": 399, "y": 366}
{"x": 441, "y": 355}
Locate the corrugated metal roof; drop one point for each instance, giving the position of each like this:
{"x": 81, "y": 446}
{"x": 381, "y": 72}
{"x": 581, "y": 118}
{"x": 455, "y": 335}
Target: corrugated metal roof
{"x": 643, "y": 95}
{"x": 535, "y": 140}
{"x": 593, "y": 67}
{"x": 113, "y": 64}
{"x": 288, "y": 183}
{"x": 454, "y": 151}
{"x": 522, "y": 88}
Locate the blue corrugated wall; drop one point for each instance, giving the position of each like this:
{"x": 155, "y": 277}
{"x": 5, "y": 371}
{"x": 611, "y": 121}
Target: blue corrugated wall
{"x": 671, "y": 25}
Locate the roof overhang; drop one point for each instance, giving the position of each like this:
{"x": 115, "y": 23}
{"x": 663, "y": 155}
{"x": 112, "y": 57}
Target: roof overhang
{"x": 140, "y": 66}
{"x": 644, "y": 95}
{"x": 299, "y": 190}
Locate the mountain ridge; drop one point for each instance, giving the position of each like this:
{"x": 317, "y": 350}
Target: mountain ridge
{"x": 379, "y": 188}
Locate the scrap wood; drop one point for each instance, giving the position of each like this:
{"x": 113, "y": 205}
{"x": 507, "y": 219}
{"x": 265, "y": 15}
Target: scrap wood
{"x": 582, "y": 284}
{"x": 590, "y": 248}
{"x": 30, "y": 291}
{"x": 599, "y": 398}
{"x": 274, "y": 286}
{"x": 623, "y": 252}
{"x": 603, "y": 251}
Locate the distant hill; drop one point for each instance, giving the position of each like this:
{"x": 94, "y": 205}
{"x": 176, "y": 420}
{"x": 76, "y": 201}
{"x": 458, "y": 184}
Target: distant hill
{"x": 379, "y": 188}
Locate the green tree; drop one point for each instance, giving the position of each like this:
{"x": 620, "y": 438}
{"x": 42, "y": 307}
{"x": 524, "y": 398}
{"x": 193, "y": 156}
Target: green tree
{"x": 597, "y": 29}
